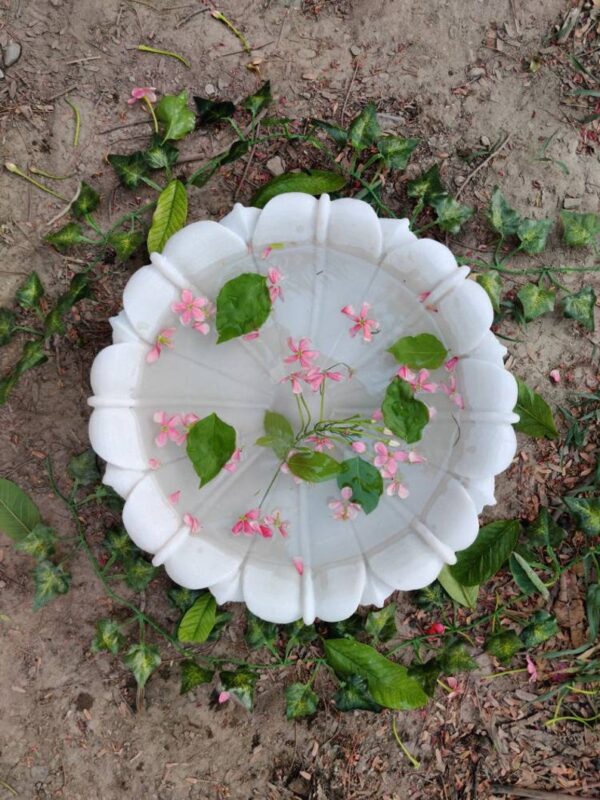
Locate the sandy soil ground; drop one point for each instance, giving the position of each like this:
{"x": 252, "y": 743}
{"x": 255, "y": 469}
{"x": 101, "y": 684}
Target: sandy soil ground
{"x": 450, "y": 72}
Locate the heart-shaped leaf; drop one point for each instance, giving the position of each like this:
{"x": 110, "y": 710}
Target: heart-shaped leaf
{"x": 402, "y": 413}
{"x": 69, "y": 235}
{"x": 279, "y": 436}
{"x": 396, "y": 151}
{"x": 142, "y": 660}
{"x": 364, "y": 129}
{"x": 84, "y": 468}
{"x": 494, "y": 543}
{"x": 312, "y": 181}
{"x": 243, "y": 305}
{"x": 8, "y": 323}
{"x": 212, "y": 111}
{"x": 240, "y": 683}
{"x": 491, "y": 282}
{"x": 354, "y": 695}
{"x": 579, "y": 229}
{"x": 543, "y": 626}
{"x": 125, "y": 243}
{"x": 50, "y": 581}
{"x": 504, "y": 645}
{"x": 424, "y": 351}
{"x": 536, "y": 301}
{"x": 210, "y": 445}
{"x": 193, "y": 675}
{"x": 176, "y": 118}
{"x": 381, "y": 625}
{"x": 260, "y": 633}
{"x": 108, "y": 637}
{"x": 535, "y": 415}
{"x": 159, "y": 154}
{"x": 40, "y": 543}
{"x": 300, "y": 701}
{"x": 87, "y": 201}
{"x": 30, "y": 292}
{"x": 451, "y": 215}
{"x": 199, "y": 620}
{"x": 427, "y": 187}
{"x": 130, "y": 169}
{"x": 169, "y": 216}
{"x": 586, "y": 513}
{"x": 365, "y": 481}
{"x": 533, "y": 234}
{"x": 259, "y": 100}
{"x": 503, "y": 219}
{"x": 580, "y": 307}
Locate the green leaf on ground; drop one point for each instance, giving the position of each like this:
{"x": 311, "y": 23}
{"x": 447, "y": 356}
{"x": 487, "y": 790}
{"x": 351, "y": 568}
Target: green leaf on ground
{"x": 339, "y": 135}
{"x": 119, "y": 545}
{"x": 543, "y": 626}
{"x": 388, "y": 682}
{"x": 463, "y": 595}
{"x": 30, "y": 292}
{"x": 298, "y": 633}
{"x": 210, "y": 112}
{"x": 279, "y": 436}
{"x": 260, "y": 633}
{"x": 402, "y": 413}
{"x": 354, "y": 695}
{"x": 427, "y": 187}
{"x": 525, "y": 577}
{"x": 8, "y": 323}
{"x": 533, "y": 234}
{"x": 544, "y": 531}
{"x": 349, "y": 627}
{"x": 536, "y": 300}
{"x": 381, "y": 625}
{"x": 365, "y": 481}
{"x": 176, "y": 118}
{"x": 84, "y": 468}
{"x": 39, "y": 543}
{"x": 68, "y": 236}
{"x": 50, "y": 581}
{"x": 535, "y": 415}
{"x": 311, "y": 181}
{"x": 108, "y": 637}
{"x": 364, "y": 129}
{"x": 579, "y": 229}
{"x": 259, "y": 100}
{"x": 491, "y": 282}
{"x": 169, "y": 216}
{"x": 33, "y": 355}
{"x": 592, "y": 608}
{"x": 455, "y": 658}
{"x": 426, "y": 674}
{"x": 139, "y": 573}
{"x": 300, "y": 701}
{"x": 396, "y": 151}
{"x": 159, "y": 154}
{"x": 586, "y": 513}
{"x": 142, "y": 660}
{"x": 580, "y": 307}
{"x": 243, "y": 305}
{"x": 451, "y": 215}
{"x": 193, "y": 675}
{"x": 199, "y": 620}
{"x": 87, "y": 202}
{"x": 504, "y": 645}
{"x": 130, "y": 169}
{"x": 479, "y": 562}
{"x": 181, "y": 598}
{"x": 18, "y": 513}
{"x": 503, "y": 219}
{"x": 313, "y": 467}
{"x": 125, "y": 243}
{"x": 424, "y": 351}
{"x": 210, "y": 445}
{"x": 240, "y": 683}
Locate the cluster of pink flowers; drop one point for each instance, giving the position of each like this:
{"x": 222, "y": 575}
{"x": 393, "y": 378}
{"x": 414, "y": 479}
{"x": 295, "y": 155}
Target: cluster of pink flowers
{"x": 420, "y": 382}
{"x": 387, "y": 460}
{"x": 362, "y": 323}
{"x": 344, "y": 509}
{"x": 310, "y": 374}
{"x": 251, "y": 523}
{"x": 173, "y": 428}
{"x": 274, "y": 278}
{"x": 194, "y": 311}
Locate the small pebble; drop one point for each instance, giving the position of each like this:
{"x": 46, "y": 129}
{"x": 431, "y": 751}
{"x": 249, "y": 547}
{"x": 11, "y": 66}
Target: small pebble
{"x": 355, "y": 50}
{"x": 476, "y": 72}
{"x": 309, "y": 76}
{"x": 306, "y": 52}
{"x": 571, "y": 202}
{"x": 210, "y": 89}
{"x": 275, "y": 166}
{"x": 11, "y": 53}
{"x": 485, "y": 141}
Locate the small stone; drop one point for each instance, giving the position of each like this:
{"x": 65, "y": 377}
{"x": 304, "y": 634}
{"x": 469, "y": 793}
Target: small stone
{"x": 39, "y": 774}
{"x": 306, "y": 52}
{"x": 11, "y": 53}
{"x": 210, "y": 89}
{"x": 571, "y": 202}
{"x": 476, "y": 72}
{"x": 459, "y": 180}
{"x": 355, "y": 50}
{"x": 485, "y": 141}
{"x": 276, "y": 166}
{"x": 2, "y": 75}
{"x": 309, "y": 76}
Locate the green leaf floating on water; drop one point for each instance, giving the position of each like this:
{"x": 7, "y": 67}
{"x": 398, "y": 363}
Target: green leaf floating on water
{"x": 210, "y": 445}
{"x": 243, "y": 305}
{"x": 403, "y": 414}
{"x": 424, "y": 351}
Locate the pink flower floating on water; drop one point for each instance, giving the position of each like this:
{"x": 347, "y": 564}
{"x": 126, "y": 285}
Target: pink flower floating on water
{"x": 299, "y": 564}
{"x": 164, "y": 339}
{"x": 450, "y": 365}
{"x": 419, "y": 381}
{"x": 274, "y": 519}
{"x": 316, "y": 377}
{"x": 362, "y": 324}
{"x": 358, "y": 447}
{"x": 192, "y": 309}
{"x": 249, "y": 337}
{"x": 174, "y": 497}
{"x": 193, "y": 523}
{"x": 169, "y": 428}
{"x": 301, "y": 352}
{"x": 250, "y": 524}
{"x": 344, "y": 509}
{"x": 320, "y": 442}
{"x": 396, "y": 487}
{"x": 294, "y": 378}
{"x": 450, "y": 389}
{"x": 154, "y": 463}
{"x": 142, "y": 93}
{"x": 274, "y": 277}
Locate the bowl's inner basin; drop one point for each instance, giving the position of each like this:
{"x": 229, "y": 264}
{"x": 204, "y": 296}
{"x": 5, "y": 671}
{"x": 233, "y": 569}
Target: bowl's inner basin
{"x": 241, "y": 379}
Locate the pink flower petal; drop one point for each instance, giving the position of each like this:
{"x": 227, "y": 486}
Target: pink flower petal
{"x": 555, "y": 376}
{"x": 224, "y": 697}
{"x": 299, "y": 564}
{"x": 174, "y": 497}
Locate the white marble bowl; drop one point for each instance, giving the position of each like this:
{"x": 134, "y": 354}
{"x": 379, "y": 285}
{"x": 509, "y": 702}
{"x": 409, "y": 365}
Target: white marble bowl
{"x": 334, "y": 253}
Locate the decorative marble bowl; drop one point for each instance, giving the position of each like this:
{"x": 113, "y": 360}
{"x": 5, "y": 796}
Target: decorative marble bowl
{"x": 333, "y": 254}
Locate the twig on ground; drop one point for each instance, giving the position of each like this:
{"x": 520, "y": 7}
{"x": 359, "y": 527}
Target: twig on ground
{"x": 61, "y": 94}
{"x": 485, "y": 161}
{"x": 345, "y": 103}
{"x": 246, "y": 168}
{"x": 535, "y": 794}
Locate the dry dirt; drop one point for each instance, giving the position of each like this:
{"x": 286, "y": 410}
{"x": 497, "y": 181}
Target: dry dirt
{"x": 449, "y": 72}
